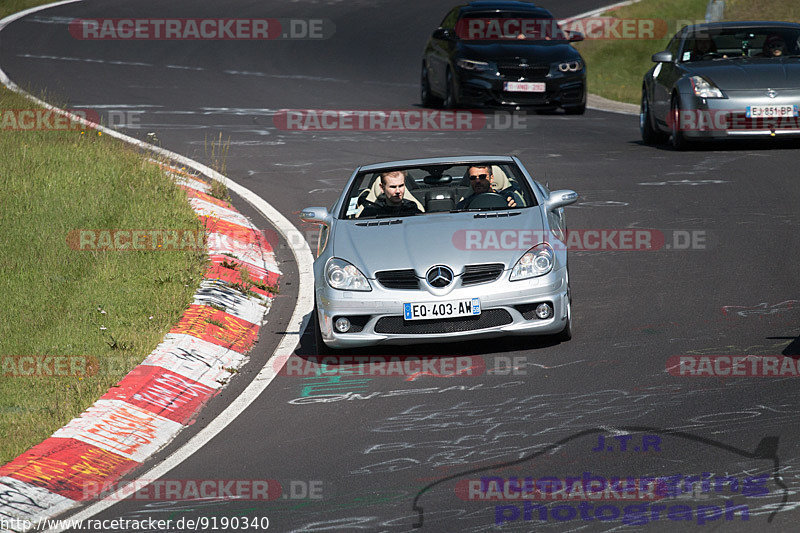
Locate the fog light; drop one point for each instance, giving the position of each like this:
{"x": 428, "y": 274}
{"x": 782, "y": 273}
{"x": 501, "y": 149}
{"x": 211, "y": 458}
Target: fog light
{"x": 544, "y": 311}
{"x": 342, "y": 325}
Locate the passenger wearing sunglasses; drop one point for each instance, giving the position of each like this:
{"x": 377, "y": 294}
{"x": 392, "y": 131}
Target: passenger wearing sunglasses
{"x": 481, "y": 180}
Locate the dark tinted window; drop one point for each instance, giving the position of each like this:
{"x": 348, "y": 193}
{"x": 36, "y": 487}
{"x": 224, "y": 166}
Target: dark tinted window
{"x": 731, "y": 43}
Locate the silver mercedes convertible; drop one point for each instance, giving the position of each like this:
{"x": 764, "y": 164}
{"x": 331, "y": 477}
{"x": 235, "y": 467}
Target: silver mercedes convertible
{"x": 724, "y": 80}
{"x": 438, "y": 250}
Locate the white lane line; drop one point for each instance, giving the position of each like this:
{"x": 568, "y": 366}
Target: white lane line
{"x": 295, "y": 327}
{"x": 595, "y": 12}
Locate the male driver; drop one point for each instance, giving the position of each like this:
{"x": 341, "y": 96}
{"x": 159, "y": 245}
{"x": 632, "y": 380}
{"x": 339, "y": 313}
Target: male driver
{"x": 391, "y": 202}
{"x": 481, "y": 180}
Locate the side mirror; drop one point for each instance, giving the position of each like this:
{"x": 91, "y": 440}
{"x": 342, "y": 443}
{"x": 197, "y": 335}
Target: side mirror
{"x": 575, "y": 36}
{"x": 560, "y": 198}
{"x": 316, "y": 215}
{"x": 662, "y": 57}
{"x": 443, "y": 34}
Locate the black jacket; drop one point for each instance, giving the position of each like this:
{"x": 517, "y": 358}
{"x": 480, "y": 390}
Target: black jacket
{"x": 380, "y": 207}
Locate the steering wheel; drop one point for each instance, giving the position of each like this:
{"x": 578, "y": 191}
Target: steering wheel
{"x": 487, "y": 200}
{"x": 362, "y": 199}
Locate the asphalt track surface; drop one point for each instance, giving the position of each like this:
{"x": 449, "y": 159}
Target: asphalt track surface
{"x": 384, "y": 460}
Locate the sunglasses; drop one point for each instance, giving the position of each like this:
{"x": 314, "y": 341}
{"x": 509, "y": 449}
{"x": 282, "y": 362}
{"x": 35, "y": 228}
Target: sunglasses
{"x": 478, "y": 177}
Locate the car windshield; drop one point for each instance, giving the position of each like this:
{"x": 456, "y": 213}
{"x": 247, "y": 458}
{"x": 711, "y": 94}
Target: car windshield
{"x": 737, "y": 43}
{"x": 425, "y": 190}
{"x": 509, "y": 26}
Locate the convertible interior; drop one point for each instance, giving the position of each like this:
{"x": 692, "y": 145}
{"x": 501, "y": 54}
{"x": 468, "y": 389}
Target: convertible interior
{"x": 437, "y": 189}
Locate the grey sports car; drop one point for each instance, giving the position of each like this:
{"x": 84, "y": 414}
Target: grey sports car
{"x": 442, "y": 249}
{"x": 724, "y": 80}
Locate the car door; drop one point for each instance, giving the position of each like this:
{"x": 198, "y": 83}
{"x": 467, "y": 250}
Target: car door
{"x": 440, "y": 51}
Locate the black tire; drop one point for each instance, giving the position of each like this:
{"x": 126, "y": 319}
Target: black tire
{"x": 650, "y": 135}
{"x": 426, "y": 96}
{"x": 676, "y": 139}
{"x": 575, "y": 109}
{"x": 451, "y": 96}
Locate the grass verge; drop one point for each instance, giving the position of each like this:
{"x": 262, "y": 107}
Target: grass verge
{"x": 110, "y": 307}
{"x": 616, "y": 67}
{"x": 9, "y": 7}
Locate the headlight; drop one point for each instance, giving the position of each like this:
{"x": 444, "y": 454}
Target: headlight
{"x": 704, "y": 88}
{"x": 343, "y": 276}
{"x": 469, "y": 64}
{"x": 537, "y": 261}
{"x": 570, "y": 66}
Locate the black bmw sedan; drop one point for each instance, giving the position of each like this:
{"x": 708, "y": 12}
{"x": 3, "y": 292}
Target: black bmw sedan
{"x": 503, "y": 53}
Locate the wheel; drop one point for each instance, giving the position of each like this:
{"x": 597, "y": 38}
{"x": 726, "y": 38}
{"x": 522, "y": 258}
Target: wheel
{"x": 676, "y": 139}
{"x": 451, "y": 96}
{"x": 575, "y": 109}
{"x": 650, "y": 135}
{"x": 425, "y": 94}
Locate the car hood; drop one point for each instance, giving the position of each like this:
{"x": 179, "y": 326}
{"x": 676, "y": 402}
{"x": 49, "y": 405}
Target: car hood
{"x": 749, "y": 74}
{"x": 535, "y": 53}
{"x": 421, "y": 242}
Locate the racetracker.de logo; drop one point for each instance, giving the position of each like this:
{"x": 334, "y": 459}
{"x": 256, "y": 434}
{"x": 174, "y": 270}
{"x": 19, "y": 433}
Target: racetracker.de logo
{"x": 382, "y": 366}
{"x": 45, "y": 366}
{"x": 187, "y": 489}
{"x": 198, "y": 29}
{"x": 585, "y": 487}
{"x": 732, "y": 366}
{"x": 115, "y": 240}
{"x": 778, "y": 117}
{"x": 582, "y": 239}
{"x": 46, "y": 120}
{"x": 378, "y": 120}
{"x": 501, "y": 28}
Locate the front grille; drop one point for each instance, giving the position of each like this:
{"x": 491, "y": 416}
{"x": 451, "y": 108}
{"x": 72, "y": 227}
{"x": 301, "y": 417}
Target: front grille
{"x": 524, "y": 98}
{"x": 398, "y": 279}
{"x": 529, "y": 72}
{"x": 487, "y": 319}
{"x": 474, "y": 274}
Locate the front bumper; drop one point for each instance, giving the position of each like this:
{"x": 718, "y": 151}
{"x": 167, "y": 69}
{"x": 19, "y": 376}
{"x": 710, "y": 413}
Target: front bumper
{"x": 725, "y": 118}
{"x": 506, "y": 309}
{"x": 486, "y": 89}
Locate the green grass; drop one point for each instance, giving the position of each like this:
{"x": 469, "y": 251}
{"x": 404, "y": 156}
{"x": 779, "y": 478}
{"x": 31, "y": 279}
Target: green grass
{"x": 8, "y": 7}
{"x": 615, "y": 67}
{"x": 112, "y": 306}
